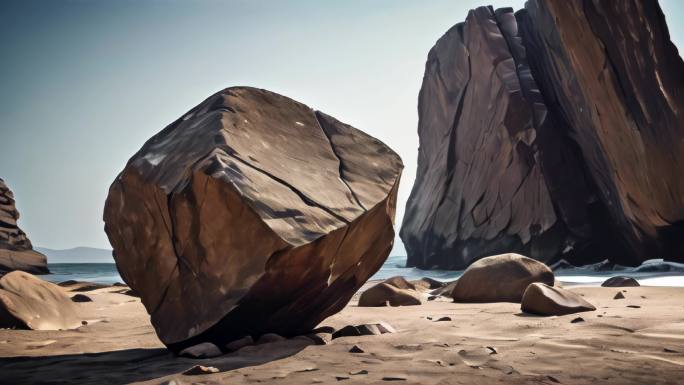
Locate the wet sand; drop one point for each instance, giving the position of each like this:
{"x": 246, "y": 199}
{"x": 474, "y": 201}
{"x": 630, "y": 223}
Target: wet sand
{"x": 636, "y": 340}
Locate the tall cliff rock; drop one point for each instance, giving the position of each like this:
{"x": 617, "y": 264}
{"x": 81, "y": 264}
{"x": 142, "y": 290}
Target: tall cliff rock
{"x": 16, "y": 252}
{"x": 556, "y": 131}
{"x": 251, "y": 214}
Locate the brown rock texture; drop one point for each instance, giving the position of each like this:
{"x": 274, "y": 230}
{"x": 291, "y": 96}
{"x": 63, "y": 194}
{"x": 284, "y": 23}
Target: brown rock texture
{"x": 547, "y": 300}
{"x": 500, "y": 278}
{"x": 555, "y": 132}
{"x": 251, "y": 214}
{"x": 384, "y": 294}
{"x": 27, "y": 302}
{"x": 16, "y": 251}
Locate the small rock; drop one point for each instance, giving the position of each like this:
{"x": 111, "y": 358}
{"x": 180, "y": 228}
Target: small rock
{"x": 269, "y": 338}
{"x": 320, "y": 338}
{"x": 576, "y": 320}
{"x": 347, "y": 331}
{"x": 553, "y": 379}
{"x": 442, "y": 319}
{"x": 356, "y": 349}
{"x": 429, "y": 318}
{"x": 358, "y": 372}
{"x": 668, "y": 350}
{"x": 620, "y": 281}
{"x": 619, "y": 295}
{"x": 341, "y": 378}
{"x": 394, "y": 378}
{"x": 492, "y": 349}
{"x": 203, "y": 350}
{"x": 81, "y": 298}
{"x": 239, "y": 344}
{"x": 84, "y": 322}
{"x": 199, "y": 369}
{"x": 634, "y": 306}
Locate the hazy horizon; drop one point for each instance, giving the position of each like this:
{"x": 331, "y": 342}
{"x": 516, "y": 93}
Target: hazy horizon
{"x": 86, "y": 83}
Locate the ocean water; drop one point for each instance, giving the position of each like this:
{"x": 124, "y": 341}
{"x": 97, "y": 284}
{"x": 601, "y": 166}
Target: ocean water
{"x": 107, "y": 273}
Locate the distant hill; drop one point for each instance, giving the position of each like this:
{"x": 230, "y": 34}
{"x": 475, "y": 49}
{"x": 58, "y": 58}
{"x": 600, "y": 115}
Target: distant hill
{"x": 77, "y": 255}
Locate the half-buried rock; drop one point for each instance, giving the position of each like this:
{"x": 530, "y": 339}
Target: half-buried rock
{"x": 547, "y": 300}
{"x": 620, "y": 281}
{"x": 251, "y": 214}
{"x": 27, "y": 302}
{"x": 384, "y": 294}
{"x": 500, "y": 278}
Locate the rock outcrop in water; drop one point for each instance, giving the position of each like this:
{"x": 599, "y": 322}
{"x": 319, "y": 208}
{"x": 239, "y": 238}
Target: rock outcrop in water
{"x": 16, "y": 251}
{"x": 555, "y": 132}
{"x": 251, "y": 214}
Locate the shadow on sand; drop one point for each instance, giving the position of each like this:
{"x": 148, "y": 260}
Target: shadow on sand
{"x": 132, "y": 365}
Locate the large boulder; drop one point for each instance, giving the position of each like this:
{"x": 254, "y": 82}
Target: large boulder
{"x": 27, "y": 302}
{"x": 500, "y": 278}
{"x": 555, "y": 132}
{"x": 16, "y": 251}
{"x": 542, "y": 299}
{"x": 251, "y": 214}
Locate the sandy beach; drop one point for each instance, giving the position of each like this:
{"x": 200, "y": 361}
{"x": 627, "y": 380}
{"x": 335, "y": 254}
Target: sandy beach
{"x": 636, "y": 340}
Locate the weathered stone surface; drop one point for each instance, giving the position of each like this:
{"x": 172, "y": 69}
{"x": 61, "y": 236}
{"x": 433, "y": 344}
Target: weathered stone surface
{"x": 554, "y": 132}
{"x": 27, "y": 302}
{"x": 620, "y": 281}
{"x": 547, "y": 300}
{"x": 251, "y": 214}
{"x": 384, "y": 294}
{"x": 16, "y": 251}
{"x": 500, "y": 278}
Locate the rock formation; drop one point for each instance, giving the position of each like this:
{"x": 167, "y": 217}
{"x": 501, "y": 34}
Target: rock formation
{"x": 500, "y": 278}
{"x": 547, "y": 300}
{"x": 251, "y": 214}
{"x": 555, "y": 132}
{"x": 27, "y": 302}
{"x": 16, "y": 251}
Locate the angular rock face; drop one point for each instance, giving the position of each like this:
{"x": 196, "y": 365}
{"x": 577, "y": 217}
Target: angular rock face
{"x": 250, "y": 214}
{"x": 16, "y": 251}
{"x": 547, "y": 300}
{"x": 555, "y": 132}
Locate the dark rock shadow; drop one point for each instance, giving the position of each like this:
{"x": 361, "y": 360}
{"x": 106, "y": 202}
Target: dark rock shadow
{"x": 132, "y": 365}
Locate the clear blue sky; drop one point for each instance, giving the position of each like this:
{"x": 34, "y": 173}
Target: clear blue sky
{"x": 84, "y": 83}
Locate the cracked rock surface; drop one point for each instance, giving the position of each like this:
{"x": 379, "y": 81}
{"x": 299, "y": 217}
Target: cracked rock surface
{"x": 554, "y": 132}
{"x": 16, "y": 251}
{"x": 251, "y": 214}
